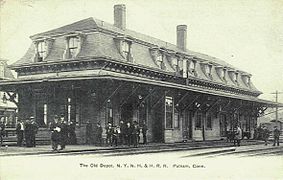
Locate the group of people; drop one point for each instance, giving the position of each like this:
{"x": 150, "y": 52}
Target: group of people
{"x": 126, "y": 133}
{"x": 261, "y": 133}
{"x": 62, "y": 133}
{"x": 123, "y": 134}
{"x": 27, "y": 130}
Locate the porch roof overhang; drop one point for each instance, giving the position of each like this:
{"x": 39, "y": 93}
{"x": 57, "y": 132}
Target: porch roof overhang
{"x": 11, "y": 85}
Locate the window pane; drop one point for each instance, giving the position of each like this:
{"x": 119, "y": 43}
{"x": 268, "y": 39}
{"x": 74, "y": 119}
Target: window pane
{"x": 192, "y": 65}
{"x": 209, "y": 122}
{"x": 45, "y": 113}
{"x": 126, "y": 47}
{"x": 176, "y": 120}
{"x": 41, "y": 52}
{"x": 169, "y": 111}
{"x": 198, "y": 121}
{"x": 159, "y": 58}
{"x": 73, "y": 52}
{"x": 73, "y": 42}
{"x": 40, "y": 46}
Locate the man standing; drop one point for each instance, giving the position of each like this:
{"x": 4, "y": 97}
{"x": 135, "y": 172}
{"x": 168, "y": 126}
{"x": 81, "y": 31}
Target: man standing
{"x": 135, "y": 133}
{"x": 122, "y": 132}
{"x": 276, "y": 134}
{"x": 64, "y": 133}
{"x": 128, "y": 133}
{"x": 20, "y": 132}
{"x": 2, "y": 129}
{"x": 72, "y": 133}
{"x": 265, "y": 135}
{"x": 88, "y": 133}
{"x": 55, "y": 133}
{"x": 114, "y": 136}
{"x": 98, "y": 134}
{"x": 34, "y": 129}
{"x": 109, "y": 131}
{"x": 144, "y": 131}
{"x": 28, "y": 133}
{"x": 238, "y": 135}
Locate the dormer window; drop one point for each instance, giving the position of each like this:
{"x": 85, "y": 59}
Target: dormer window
{"x": 221, "y": 72}
{"x": 73, "y": 46}
{"x": 126, "y": 49}
{"x": 247, "y": 79}
{"x": 208, "y": 68}
{"x": 236, "y": 77}
{"x": 175, "y": 64}
{"x": 223, "y": 76}
{"x": 158, "y": 57}
{"x": 192, "y": 66}
{"x": 159, "y": 60}
{"x": 41, "y": 51}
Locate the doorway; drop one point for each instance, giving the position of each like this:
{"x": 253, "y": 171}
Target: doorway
{"x": 158, "y": 125}
{"x": 187, "y": 127}
{"x": 223, "y": 125}
{"x": 127, "y": 113}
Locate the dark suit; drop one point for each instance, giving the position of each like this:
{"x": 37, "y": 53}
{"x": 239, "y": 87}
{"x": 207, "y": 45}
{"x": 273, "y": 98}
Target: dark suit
{"x": 128, "y": 134}
{"x": 72, "y": 133}
{"x": 98, "y": 134}
{"x": 135, "y": 134}
{"x": 55, "y": 135}
{"x": 64, "y": 135}
{"x": 276, "y": 134}
{"x": 28, "y": 134}
{"x": 20, "y": 133}
{"x": 34, "y": 129}
{"x": 89, "y": 132}
{"x": 144, "y": 131}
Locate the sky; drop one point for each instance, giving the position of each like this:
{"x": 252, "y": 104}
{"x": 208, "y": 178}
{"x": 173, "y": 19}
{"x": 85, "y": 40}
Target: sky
{"x": 248, "y": 34}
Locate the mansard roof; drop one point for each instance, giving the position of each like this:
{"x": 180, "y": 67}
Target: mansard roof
{"x": 99, "y": 42}
{"x": 92, "y": 24}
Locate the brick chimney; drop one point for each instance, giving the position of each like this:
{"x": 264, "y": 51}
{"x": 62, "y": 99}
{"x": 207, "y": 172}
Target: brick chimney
{"x": 120, "y": 16}
{"x": 182, "y": 37}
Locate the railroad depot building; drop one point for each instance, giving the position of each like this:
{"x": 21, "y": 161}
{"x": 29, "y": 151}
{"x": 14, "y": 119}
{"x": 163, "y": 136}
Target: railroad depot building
{"x": 95, "y": 71}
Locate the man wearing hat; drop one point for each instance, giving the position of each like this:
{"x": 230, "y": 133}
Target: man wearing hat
{"x": 20, "y": 132}
{"x": 55, "y": 133}
{"x": 276, "y": 135}
{"x": 28, "y": 133}
{"x": 64, "y": 132}
{"x": 34, "y": 129}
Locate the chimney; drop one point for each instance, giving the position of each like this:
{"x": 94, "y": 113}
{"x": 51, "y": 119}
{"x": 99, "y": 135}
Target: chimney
{"x": 182, "y": 37}
{"x": 120, "y": 16}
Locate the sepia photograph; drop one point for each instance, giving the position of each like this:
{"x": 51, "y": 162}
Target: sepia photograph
{"x": 141, "y": 90}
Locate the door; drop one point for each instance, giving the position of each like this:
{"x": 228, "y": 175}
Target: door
{"x": 187, "y": 125}
{"x": 158, "y": 125}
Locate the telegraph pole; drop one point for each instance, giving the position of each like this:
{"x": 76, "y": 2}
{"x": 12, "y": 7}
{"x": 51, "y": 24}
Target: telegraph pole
{"x": 276, "y": 100}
